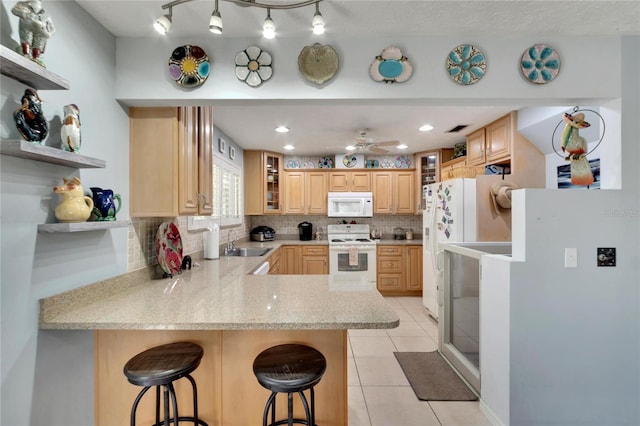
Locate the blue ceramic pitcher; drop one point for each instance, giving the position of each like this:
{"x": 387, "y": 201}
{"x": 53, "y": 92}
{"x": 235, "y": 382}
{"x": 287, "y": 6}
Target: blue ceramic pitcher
{"x": 104, "y": 204}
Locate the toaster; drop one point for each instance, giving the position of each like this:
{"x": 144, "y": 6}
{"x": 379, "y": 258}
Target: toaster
{"x": 263, "y": 233}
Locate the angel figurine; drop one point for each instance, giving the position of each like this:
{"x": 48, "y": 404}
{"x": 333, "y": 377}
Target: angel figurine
{"x": 35, "y": 28}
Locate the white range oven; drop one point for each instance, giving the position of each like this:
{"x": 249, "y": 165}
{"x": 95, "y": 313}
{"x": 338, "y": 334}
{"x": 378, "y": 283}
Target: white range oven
{"x": 351, "y": 252}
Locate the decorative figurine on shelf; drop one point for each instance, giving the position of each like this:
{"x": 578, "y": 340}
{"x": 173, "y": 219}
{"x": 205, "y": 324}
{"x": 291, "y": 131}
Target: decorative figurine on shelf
{"x": 74, "y": 206}
{"x": 104, "y": 206}
{"x": 35, "y": 28}
{"x": 576, "y": 146}
{"x": 30, "y": 119}
{"x": 70, "y": 131}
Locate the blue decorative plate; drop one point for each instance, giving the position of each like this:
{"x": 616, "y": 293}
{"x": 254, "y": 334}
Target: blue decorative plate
{"x": 540, "y": 64}
{"x": 189, "y": 66}
{"x": 466, "y": 64}
{"x": 326, "y": 163}
{"x": 391, "y": 66}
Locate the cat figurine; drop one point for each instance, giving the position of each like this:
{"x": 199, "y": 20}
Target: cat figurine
{"x": 70, "y": 130}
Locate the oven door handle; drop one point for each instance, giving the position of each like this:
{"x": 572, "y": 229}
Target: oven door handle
{"x": 360, "y": 248}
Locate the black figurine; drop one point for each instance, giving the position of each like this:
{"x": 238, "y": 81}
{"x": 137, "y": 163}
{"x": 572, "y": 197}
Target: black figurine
{"x": 30, "y": 119}
{"x": 186, "y": 262}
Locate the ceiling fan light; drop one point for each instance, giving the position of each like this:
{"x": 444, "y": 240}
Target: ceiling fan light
{"x": 350, "y": 148}
{"x": 163, "y": 24}
{"x": 215, "y": 23}
{"x": 402, "y": 146}
{"x": 282, "y": 129}
{"x": 426, "y": 128}
{"x": 289, "y": 147}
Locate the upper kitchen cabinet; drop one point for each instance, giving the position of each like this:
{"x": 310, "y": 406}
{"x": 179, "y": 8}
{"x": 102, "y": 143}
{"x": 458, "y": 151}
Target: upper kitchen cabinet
{"x": 491, "y": 144}
{"x": 171, "y": 158}
{"x": 305, "y": 192}
{"x": 262, "y": 183}
{"x": 349, "y": 181}
{"x": 428, "y": 170}
{"x": 393, "y": 192}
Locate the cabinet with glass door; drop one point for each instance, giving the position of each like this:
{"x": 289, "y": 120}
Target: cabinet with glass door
{"x": 263, "y": 187}
{"x": 428, "y": 170}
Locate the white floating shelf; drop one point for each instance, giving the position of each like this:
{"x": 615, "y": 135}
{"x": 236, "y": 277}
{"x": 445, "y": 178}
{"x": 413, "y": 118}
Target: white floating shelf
{"x": 81, "y": 226}
{"x": 28, "y": 72}
{"x": 47, "y": 154}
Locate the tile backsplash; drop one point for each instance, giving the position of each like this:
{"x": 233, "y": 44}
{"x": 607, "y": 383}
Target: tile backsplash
{"x": 142, "y": 232}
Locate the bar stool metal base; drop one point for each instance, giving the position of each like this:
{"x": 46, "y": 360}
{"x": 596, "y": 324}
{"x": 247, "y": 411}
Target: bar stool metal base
{"x": 289, "y": 369}
{"x": 160, "y": 366}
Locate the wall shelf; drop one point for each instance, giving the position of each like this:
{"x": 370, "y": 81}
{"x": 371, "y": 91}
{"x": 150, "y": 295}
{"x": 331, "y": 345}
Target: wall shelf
{"x": 47, "y": 154}
{"x": 28, "y": 72}
{"x": 81, "y": 226}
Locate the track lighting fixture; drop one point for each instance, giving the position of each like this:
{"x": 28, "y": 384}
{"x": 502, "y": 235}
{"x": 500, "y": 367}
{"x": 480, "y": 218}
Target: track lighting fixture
{"x": 163, "y": 23}
{"x": 215, "y": 23}
{"x": 268, "y": 28}
{"x": 317, "y": 23}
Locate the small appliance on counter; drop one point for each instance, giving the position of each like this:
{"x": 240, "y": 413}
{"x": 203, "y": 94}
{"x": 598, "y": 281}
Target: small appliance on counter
{"x": 399, "y": 234}
{"x": 306, "y": 231}
{"x": 211, "y": 242}
{"x": 263, "y": 233}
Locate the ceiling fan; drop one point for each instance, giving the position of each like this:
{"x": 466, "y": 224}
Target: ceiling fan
{"x": 363, "y": 143}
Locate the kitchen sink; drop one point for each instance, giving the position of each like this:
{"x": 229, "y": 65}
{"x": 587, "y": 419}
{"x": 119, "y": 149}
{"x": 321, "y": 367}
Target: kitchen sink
{"x": 248, "y": 252}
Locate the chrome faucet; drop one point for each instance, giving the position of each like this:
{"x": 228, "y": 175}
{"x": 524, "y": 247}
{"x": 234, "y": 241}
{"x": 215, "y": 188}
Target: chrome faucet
{"x": 231, "y": 244}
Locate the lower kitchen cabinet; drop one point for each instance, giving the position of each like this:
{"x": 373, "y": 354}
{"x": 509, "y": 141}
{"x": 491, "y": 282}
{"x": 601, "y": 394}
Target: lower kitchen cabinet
{"x": 306, "y": 260}
{"x": 274, "y": 263}
{"x": 399, "y": 270}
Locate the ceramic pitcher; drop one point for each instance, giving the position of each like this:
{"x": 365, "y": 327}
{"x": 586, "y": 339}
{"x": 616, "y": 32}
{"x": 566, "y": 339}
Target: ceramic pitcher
{"x": 74, "y": 206}
{"x": 104, "y": 204}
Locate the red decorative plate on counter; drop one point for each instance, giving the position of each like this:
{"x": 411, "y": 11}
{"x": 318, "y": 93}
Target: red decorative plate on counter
{"x": 169, "y": 248}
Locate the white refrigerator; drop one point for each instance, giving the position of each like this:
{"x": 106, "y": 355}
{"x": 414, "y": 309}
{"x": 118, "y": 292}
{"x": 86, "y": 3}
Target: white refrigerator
{"x": 449, "y": 216}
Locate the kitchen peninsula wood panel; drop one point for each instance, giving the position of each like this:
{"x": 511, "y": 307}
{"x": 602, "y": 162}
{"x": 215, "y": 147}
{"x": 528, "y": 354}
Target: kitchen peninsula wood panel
{"x": 228, "y": 392}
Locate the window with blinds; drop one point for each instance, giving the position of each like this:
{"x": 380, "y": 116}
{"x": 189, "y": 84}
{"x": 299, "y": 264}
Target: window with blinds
{"x": 227, "y": 193}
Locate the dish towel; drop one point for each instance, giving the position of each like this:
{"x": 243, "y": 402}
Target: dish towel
{"x": 353, "y": 256}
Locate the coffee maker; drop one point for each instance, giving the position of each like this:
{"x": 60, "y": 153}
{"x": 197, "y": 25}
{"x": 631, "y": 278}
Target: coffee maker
{"x": 306, "y": 231}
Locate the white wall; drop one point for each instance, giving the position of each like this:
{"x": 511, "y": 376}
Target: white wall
{"x": 575, "y": 333}
{"x": 47, "y": 377}
{"x": 142, "y": 71}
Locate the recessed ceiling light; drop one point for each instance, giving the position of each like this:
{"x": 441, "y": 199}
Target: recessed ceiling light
{"x": 426, "y": 128}
{"x": 282, "y": 129}
{"x": 289, "y": 147}
{"x": 402, "y": 146}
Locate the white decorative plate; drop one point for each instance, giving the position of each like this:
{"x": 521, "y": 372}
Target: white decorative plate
{"x": 318, "y": 63}
{"x": 391, "y": 66}
{"x": 253, "y": 66}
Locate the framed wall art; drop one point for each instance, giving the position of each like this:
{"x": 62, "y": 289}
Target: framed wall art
{"x": 222, "y": 145}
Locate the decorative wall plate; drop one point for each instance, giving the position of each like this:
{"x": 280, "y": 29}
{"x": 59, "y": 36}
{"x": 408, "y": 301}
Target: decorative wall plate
{"x": 349, "y": 160}
{"x": 169, "y": 248}
{"x": 403, "y": 162}
{"x": 253, "y": 66}
{"x": 540, "y": 64}
{"x": 391, "y": 66}
{"x": 318, "y": 63}
{"x": 326, "y": 163}
{"x": 466, "y": 64}
{"x": 293, "y": 164}
{"x": 189, "y": 66}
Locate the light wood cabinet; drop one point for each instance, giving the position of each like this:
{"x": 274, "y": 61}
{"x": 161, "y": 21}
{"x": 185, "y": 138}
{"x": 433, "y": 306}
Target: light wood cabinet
{"x": 305, "y": 192}
{"x": 399, "y": 270}
{"x": 491, "y": 144}
{"x": 350, "y": 181}
{"x": 291, "y": 260}
{"x": 428, "y": 171}
{"x": 393, "y": 192}
{"x": 262, "y": 183}
{"x": 170, "y": 162}
{"x": 274, "y": 263}
{"x": 315, "y": 260}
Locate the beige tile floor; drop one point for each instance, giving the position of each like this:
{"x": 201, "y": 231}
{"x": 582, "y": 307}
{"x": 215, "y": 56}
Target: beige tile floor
{"x": 379, "y": 393}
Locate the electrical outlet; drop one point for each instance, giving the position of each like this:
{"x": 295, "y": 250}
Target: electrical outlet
{"x": 606, "y": 256}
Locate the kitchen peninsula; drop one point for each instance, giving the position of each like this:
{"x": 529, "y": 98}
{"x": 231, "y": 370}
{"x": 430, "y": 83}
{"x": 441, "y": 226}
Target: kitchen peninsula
{"x": 234, "y": 315}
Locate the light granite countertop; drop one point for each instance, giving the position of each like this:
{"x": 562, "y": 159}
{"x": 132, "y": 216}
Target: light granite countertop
{"x": 220, "y": 294}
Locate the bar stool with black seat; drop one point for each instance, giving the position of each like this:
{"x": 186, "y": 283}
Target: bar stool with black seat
{"x": 160, "y": 366}
{"x": 289, "y": 369}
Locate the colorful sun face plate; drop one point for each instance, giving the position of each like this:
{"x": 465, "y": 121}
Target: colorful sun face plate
{"x": 189, "y": 66}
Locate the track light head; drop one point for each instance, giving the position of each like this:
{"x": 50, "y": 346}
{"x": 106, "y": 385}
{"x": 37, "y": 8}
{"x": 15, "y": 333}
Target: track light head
{"x": 317, "y": 23}
{"x": 269, "y": 27}
{"x": 215, "y": 23}
{"x": 163, "y": 23}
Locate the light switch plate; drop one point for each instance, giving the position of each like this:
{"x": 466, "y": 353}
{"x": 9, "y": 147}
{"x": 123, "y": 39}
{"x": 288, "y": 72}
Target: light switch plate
{"x": 571, "y": 257}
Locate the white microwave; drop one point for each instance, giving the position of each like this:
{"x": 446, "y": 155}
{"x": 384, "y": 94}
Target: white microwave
{"x": 350, "y": 204}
